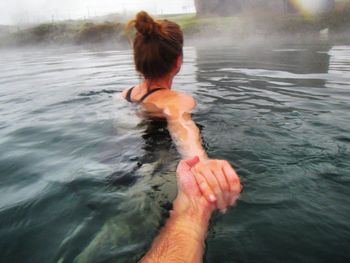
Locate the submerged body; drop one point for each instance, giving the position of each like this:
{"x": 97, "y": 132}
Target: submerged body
{"x": 175, "y": 107}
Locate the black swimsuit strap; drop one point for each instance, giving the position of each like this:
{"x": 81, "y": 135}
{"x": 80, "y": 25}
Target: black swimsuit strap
{"x": 128, "y": 95}
{"x": 149, "y": 93}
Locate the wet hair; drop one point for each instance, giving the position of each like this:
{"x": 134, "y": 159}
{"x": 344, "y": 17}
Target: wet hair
{"x": 157, "y": 45}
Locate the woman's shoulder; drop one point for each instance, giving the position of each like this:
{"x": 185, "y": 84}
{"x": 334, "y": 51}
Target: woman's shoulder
{"x": 175, "y": 102}
{"x": 172, "y": 97}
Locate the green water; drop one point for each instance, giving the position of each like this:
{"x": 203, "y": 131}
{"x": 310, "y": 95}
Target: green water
{"x": 84, "y": 179}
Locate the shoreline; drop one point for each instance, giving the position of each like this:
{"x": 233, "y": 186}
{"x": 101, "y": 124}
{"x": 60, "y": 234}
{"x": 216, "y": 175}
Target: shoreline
{"x": 244, "y": 27}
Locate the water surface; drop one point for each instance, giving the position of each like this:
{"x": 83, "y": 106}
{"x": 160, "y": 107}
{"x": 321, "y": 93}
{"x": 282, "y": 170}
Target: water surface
{"x": 83, "y": 178}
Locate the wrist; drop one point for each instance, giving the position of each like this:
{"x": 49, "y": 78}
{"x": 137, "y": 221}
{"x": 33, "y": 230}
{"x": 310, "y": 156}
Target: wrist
{"x": 200, "y": 153}
{"x": 203, "y": 156}
{"x": 193, "y": 228}
{"x": 197, "y": 213}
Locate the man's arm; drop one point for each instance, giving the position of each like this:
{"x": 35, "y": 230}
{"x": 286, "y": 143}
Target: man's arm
{"x": 182, "y": 237}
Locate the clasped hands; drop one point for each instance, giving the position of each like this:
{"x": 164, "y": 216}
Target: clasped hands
{"x": 204, "y": 186}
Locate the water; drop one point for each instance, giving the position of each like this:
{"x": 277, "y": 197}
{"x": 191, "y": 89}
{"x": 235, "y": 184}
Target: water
{"x": 84, "y": 179}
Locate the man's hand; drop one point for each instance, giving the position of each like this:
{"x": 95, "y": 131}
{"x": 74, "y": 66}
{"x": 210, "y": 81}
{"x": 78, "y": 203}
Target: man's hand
{"x": 218, "y": 182}
{"x": 206, "y": 185}
{"x": 190, "y": 200}
{"x": 182, "y": 238}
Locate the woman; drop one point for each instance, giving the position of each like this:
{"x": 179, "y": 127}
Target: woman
{"x": 158, "y": 57}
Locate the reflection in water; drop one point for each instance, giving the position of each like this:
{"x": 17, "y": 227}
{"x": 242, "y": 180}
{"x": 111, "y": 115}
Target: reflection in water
{"x": 339, "y": 60}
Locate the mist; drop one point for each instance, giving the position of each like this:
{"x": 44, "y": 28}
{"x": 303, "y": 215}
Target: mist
{"x": 20, "y": 12}
{"x": 101, "y": 23}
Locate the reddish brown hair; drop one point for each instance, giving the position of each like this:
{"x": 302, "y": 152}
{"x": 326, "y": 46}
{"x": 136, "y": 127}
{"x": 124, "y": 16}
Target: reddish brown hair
{"x": 157, "y": 45}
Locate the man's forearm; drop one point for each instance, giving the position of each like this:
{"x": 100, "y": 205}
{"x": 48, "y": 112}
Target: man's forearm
{"x": 181, "y": 239}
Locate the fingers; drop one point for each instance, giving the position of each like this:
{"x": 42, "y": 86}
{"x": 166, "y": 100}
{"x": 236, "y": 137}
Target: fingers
{"x": 233, "y": 181}
{"x": 223, "y": 183}
{"x": 186, "y": 165}
{"x": 204, "y": 187}
{"x": 215, "y": 187}
{"x": 234, "y": 198}
{"x": 215, "y": 180}
{"x": 232, "y": 178}
{"x": 192, "y": 162}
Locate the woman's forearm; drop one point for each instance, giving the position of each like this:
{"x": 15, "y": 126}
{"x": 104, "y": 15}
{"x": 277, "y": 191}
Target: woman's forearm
{"x": 187, "y": 138}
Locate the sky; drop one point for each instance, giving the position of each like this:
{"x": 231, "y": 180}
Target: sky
{"x": 33, "y": 11}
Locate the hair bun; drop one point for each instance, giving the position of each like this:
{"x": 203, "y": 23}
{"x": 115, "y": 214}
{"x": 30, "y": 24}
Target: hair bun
{"x": 145, "y": 24}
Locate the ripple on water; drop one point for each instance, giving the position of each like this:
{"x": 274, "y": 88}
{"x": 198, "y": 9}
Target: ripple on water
{"x": 77, "y": 163}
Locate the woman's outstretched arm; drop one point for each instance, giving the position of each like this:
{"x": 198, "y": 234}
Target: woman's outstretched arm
{"x": 182, "y": 128}
{"x": 213, "y": 176}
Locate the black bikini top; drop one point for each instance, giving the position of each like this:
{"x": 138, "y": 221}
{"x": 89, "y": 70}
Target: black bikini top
{"x": 128, "y": 94}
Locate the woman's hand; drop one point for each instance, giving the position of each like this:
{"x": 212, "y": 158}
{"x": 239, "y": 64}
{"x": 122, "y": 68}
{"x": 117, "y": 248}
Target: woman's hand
{"x": 218, "y": 182}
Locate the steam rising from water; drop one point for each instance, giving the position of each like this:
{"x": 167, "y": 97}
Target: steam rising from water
{"x": 40, "y": 11}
